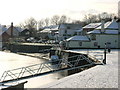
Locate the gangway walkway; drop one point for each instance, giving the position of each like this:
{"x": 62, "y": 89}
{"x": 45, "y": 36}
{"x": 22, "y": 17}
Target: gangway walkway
{"x": 46, "y": 68}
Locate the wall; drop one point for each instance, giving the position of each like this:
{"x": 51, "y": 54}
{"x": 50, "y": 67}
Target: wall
{"x": 68, "y": 30}
{"x": 76, "y": 44}
{"x": 102, "y": 39}
{"x": 0, "y": 42}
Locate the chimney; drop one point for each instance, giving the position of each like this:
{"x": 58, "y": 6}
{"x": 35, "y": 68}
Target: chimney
{"x": 114, "y": 19}
{"x": 102, "y": 26}
{"x": 11, "y": 29}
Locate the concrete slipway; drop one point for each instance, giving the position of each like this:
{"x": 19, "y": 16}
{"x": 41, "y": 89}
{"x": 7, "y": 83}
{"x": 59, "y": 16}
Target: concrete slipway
{"x": 100, "y": 76}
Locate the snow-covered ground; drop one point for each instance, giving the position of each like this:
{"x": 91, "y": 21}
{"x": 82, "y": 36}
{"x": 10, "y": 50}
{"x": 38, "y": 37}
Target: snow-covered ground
{"x": 100, "y": 76}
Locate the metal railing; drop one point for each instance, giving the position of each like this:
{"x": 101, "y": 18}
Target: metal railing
{"x": 45, "y": 68}
{"x": 98, "y": 55}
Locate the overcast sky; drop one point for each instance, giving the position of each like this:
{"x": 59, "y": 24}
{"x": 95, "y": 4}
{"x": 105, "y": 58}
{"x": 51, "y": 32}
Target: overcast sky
{"x": 19, "y": 10}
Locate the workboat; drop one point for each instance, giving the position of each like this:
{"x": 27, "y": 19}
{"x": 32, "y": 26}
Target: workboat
{"x": 54, "y": 59}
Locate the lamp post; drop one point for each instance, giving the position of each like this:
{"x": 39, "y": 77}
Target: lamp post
{"x": 104, "y": 60}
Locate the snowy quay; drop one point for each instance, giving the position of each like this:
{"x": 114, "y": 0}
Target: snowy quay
{"x": 100, "y": 76}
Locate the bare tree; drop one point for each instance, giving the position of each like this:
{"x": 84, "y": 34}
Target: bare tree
{"x": 31, "y": 25}
{"x": 55, "y": 20}
{"x": 90, "y": 18}
{"x": 22, "y": 25}
{"x": 63, "y": 19}
{"x": 41, "y": 23}
{"x": 47, "y": 21}
{"x": 82, "y": 23}
{"x": 105, "y": 16}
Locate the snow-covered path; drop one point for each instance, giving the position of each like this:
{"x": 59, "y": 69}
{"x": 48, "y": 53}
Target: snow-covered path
{"x": 101, "y": 76}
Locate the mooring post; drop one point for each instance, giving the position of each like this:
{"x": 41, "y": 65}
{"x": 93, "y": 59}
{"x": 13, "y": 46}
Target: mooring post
{"x": 104, "y": 60}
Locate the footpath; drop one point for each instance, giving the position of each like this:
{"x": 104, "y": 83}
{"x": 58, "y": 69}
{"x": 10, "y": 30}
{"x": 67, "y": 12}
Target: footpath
{"x": 100, "y": 76}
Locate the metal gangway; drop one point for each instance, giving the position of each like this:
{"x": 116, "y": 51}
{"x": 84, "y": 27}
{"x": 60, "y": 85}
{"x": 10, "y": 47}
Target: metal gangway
{"x": 45, "y": 68}
{"x": 95, "y": 54}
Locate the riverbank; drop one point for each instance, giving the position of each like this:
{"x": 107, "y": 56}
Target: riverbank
{"x": 100, "y": 76}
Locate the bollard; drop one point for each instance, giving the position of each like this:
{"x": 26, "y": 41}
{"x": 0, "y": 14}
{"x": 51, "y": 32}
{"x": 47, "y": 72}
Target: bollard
{"x": 104, "y": 60}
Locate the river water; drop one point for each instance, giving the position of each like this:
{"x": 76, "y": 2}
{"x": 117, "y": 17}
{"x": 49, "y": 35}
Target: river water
{"x": 10, "y": 61}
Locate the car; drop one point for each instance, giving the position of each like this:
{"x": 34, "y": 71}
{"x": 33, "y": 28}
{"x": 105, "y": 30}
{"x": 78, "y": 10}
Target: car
{"x": 31, "y": 39}
{"x": 40, "y": 41}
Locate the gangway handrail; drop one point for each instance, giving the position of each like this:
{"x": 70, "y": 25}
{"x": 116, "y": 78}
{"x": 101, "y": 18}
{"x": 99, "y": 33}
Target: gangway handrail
{"x": 36, "y": 69}
{"x": 95, "y": 55}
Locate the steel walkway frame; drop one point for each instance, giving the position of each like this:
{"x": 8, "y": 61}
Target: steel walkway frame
{"x": 44, "y": 68}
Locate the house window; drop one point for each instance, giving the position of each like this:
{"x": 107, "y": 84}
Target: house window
{"x": 65, "y": 37}
{"x": 68, "y": 27}
{"x": 75, "y": 33}
{"x": 95, "y": 43}
{"x": 65, "y": 31}
{"x": 93, "y": 37}
{"x": 27, "y": 33}
{"x": 108, "y": 42}
{"x": 80, "y": 43}
{"x": 52, "y": 34}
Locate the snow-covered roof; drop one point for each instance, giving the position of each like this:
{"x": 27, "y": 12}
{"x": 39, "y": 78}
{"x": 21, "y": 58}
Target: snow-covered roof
{"x": 15, "y": 28}
{"x": 92, "y": 25}
{"x": 57, "y": 32}
{"x": 110, "y": 25}
{"x": 19, "y": 29}
{"x": 2, "y": 29}
{"x": 55, "y": 27}
{"x": 106, "y": 32}
{"x": 51, "y": 28}
{"x": 46, "y": 30}
{"x": 78, "y": 38}
{"x": 6, "y": 28}
{"x": 109, "y": 28}
{"x": 80, "y": 30}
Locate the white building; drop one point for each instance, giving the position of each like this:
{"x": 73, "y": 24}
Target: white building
{"x": 77, "y": 42}
{"x": 68, "y": 30}
{"x": 49, "y": 32}
{"x": 107, "y": 33}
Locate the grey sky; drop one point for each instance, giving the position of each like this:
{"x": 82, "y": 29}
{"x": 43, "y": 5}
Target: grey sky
{"x": 18, "y": 10}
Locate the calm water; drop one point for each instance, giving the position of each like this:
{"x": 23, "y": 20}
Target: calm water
{"x": 10, "y": 61}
